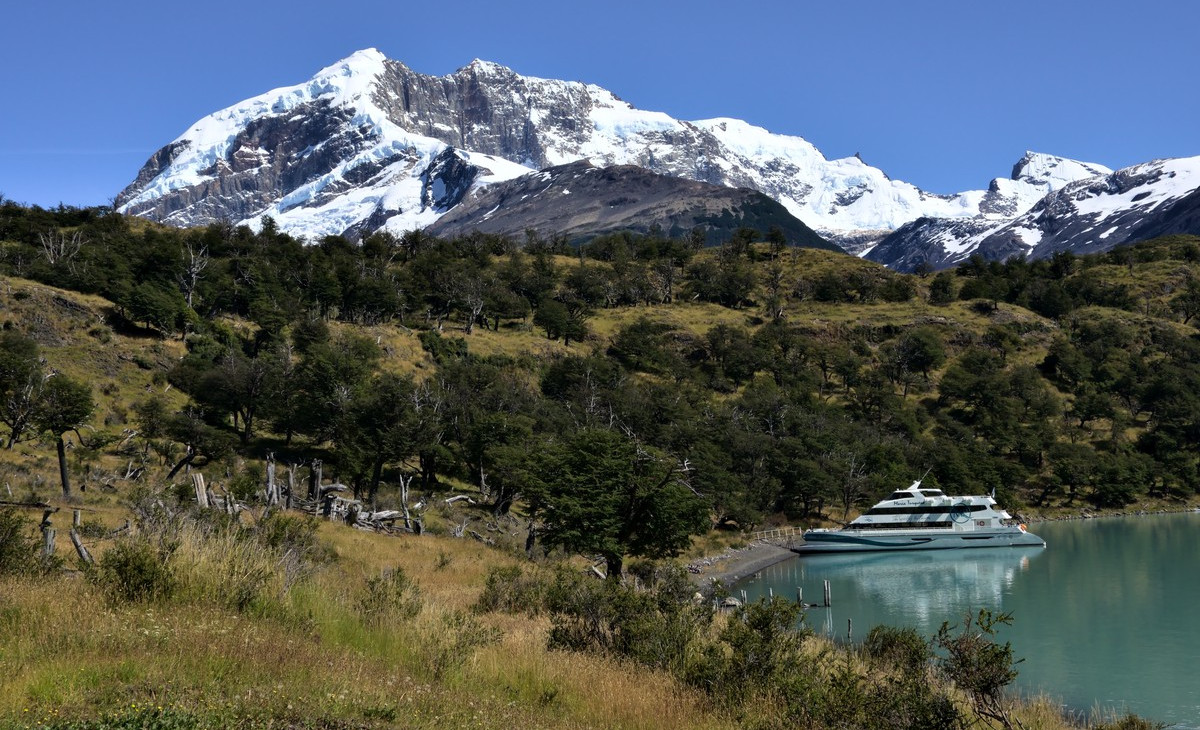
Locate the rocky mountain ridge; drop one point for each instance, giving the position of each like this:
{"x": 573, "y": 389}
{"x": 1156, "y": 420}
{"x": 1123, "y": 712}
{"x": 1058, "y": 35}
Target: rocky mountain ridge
{"x": 1089, "y": 215}
{"x": 367, "y": 143}
{"x": 579, "y": 200}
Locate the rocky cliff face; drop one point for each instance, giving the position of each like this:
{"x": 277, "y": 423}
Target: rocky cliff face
{"x": 579, "y": 200}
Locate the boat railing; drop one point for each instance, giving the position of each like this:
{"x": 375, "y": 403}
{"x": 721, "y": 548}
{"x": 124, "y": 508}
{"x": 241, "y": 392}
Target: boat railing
{"x": 779, "y": 534}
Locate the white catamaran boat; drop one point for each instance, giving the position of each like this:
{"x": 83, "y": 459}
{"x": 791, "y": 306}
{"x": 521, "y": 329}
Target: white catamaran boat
{"x": 923, "y": 519}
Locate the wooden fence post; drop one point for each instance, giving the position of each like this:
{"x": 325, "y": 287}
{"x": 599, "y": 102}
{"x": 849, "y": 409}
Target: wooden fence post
{"x": 291, "y": 489}
{"x": 201, "y": 490}
{"x": 84, "y": 555}
{"x": 272, "y": 489}
{"x": 314, "y": 484}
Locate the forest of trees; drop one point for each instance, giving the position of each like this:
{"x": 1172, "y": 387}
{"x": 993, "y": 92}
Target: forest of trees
{"x": 1092, "y": 397}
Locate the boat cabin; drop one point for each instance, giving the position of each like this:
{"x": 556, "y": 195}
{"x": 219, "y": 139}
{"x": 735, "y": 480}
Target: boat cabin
{"x": 914, "y": 491}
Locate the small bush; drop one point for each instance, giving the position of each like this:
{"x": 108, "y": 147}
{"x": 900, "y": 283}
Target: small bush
{"x": 133, "y": 571}
{"x": 19, "y": 550}
{"x": 390, "y": 596}
{"x": 93, "y": 529}
{"x": 284, "y": 531}
{"x": 654, "y": 627}
{"x": 247, "y": 485}
{"x": 905, "y": 649}
{"x": 510, "y": 590}
{"x": 1130, "y": 722}
{"x": 450, "y": 648}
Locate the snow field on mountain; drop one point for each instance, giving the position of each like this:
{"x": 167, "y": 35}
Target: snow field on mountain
{"x": 377, "y": 166}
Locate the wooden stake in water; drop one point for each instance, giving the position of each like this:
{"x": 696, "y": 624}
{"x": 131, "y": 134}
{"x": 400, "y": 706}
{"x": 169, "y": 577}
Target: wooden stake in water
{"x": 828, "y": 602}
{"x": 799, "y": 596}
{"x": 849, "y": 629}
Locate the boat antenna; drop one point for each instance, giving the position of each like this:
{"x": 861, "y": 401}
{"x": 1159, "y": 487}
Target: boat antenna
{"x": 925, "y": 475}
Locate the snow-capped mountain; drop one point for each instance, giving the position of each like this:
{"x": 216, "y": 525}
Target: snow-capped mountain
{"x": 368, "y": 143}
{"x": 1087, "y": 215}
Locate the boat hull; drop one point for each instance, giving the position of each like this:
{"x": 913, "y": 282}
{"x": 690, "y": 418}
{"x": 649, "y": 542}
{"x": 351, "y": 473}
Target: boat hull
{"x": 856, "y": 541}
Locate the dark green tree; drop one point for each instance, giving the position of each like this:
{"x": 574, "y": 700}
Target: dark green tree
{"x": 199, "y": 439}
{"x": 158, "y": 306}
{"x": 979, "y": 665}
{"x": 62, "y": 405}
{"x": 381, "y": 427}
{"x": 941, "y": 289}
{"x": 600, "y": 492}
{"x": 20, "y": 380}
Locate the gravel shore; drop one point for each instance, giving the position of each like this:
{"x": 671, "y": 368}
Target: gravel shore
{"x": 737, "y": 563}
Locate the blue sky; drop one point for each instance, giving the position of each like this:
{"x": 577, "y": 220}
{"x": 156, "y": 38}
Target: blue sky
{"x": 945, "y": 95}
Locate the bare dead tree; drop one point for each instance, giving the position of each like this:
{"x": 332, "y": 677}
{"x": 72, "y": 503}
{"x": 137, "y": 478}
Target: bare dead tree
{"x": 471, "y": 295}
{"x": 405, "y": 483}
{"x": 854, "y": 483}
{"x": 57, "y": 247}
{"x": 194, "y": 262}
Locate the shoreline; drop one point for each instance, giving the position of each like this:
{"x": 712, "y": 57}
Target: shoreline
{"x": 735, "y": 564}
{"x": 1088, "y": 514}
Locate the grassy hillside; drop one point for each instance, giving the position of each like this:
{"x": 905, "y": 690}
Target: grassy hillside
{"x": 781, "y": 385}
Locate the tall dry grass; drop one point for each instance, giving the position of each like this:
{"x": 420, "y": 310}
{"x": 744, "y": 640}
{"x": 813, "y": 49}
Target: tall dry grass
{"x": 246, "y": 639}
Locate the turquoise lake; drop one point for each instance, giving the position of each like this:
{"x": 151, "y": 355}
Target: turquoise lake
{"x": 1105, "y": 616}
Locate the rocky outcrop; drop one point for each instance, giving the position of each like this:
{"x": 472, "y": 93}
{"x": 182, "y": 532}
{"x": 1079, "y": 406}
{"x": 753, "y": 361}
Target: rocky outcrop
{"x": 579, "y": 200}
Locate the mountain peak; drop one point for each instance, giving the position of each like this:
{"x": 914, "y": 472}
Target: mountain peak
{"x": 368, "y": 61}
{"x": 1038, "y": 168}
{"x": 486, "y": 68}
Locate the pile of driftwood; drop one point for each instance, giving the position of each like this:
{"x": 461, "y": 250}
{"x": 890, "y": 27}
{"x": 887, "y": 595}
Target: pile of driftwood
{"x": 324, "y": 500}
{"x": 329, "y": 501}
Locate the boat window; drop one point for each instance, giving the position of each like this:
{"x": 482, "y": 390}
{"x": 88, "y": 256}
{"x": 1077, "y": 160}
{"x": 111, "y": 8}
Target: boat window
{"x": 900, "y": 495}
{"x": 916, "y": 525}
{"x": 932, "y": 492}
{"x": 920, "y": 509}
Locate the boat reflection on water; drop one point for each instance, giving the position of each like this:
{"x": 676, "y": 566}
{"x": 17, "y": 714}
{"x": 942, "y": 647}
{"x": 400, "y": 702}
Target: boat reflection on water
{"x": 920, "y": 589}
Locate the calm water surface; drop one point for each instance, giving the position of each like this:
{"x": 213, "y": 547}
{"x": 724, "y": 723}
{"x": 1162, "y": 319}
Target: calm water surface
{"x": 1107, "y": 616}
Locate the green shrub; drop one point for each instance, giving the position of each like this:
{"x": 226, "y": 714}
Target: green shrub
{"x": 247, "y": 485}
{"x": 510, "y": 590}
{"x": 654, "y": 626}
{"x": 1129, "y": 721}
{"x": 905, "y": 649}
{"x": 134, "y": 570}
{"x": 390, "y": 596}
{"x": 449, "y": 649}
{"x": 978, "y": 664}
{"x": 19, "y": 550}
{"x": 285, "y": 531}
